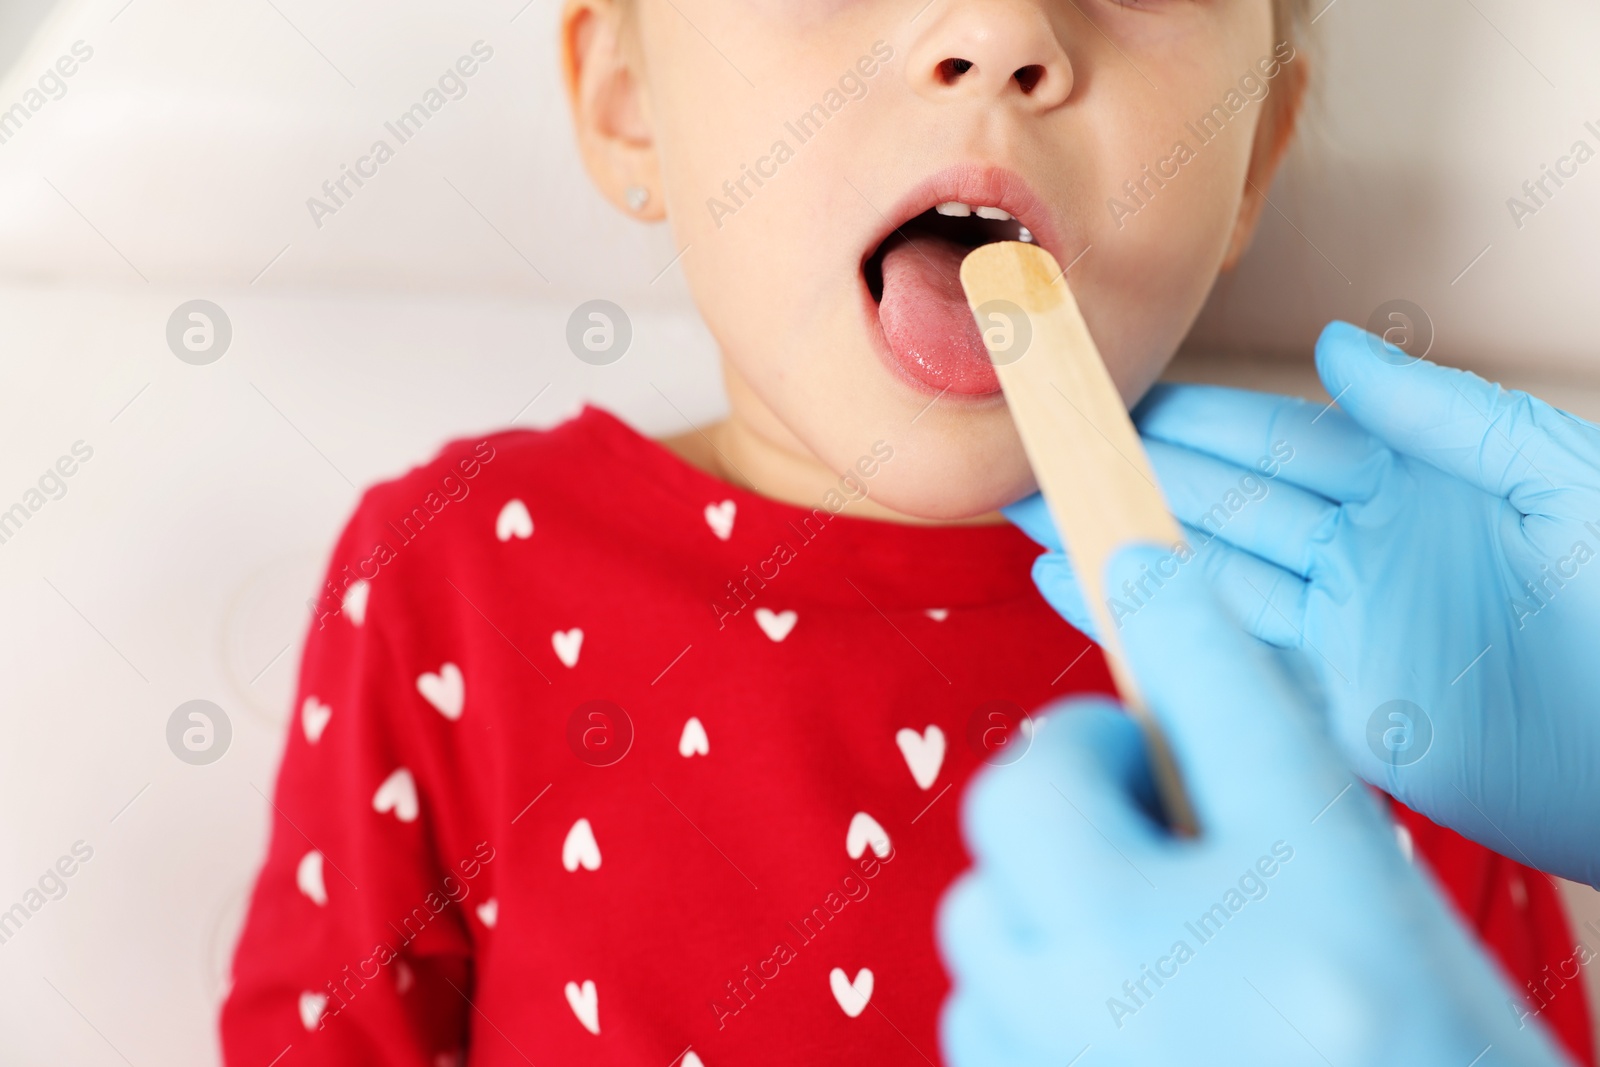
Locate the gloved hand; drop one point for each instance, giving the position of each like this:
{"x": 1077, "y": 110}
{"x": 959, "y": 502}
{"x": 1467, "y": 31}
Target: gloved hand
{"x": 1290, "y": 932}
{"x": 1428, "y": 553}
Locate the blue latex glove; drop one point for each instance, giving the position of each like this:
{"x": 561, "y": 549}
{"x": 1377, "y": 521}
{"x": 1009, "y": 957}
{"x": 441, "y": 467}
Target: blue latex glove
{"x": 1428, "y": 554}
{"x": 1291, "y": 932}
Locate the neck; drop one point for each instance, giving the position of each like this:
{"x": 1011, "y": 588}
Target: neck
{"x": 753, "y": 449}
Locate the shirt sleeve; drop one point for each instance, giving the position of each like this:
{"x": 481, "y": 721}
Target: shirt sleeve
{"x": 354, "y": 950}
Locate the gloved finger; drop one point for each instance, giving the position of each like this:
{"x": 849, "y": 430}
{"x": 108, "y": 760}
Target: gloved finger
{"x": 1507, "y": 443}
{"x": 1311, "y": 445}
{"x": 1032, "y": 515}
{"x": 1208, "y": 494}
{"x": 1052, "y": 572}
{"x": 1058, "y": 583}
{"x": 970, "y": 1036}
{"x": 1268, "y": 601}
{"x": 1243, "y": 734}
{"x": 978, "y": 935}
{"x": 1275, "y": 520}
{"x": 1012, "y": 982}
{"x": 1076, "y": 809}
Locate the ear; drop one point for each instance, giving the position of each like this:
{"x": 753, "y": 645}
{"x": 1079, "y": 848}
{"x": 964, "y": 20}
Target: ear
{"x": 1273, "y": 136}
{"x": 610, "y": 113}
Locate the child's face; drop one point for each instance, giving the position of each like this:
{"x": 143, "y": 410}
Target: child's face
{"x": 791, "y": 144}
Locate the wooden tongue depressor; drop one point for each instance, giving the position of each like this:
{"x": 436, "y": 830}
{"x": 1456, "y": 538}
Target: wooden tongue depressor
{"x": 1085, "y": 453}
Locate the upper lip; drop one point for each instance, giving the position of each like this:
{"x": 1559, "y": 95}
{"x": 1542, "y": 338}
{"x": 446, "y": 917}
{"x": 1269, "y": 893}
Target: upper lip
{"x": 981, "y": 186}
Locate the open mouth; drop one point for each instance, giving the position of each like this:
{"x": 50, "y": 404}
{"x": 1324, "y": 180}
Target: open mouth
{"x": 914, "y": 278}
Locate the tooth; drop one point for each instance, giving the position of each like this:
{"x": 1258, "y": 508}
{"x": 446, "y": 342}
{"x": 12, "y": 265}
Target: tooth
{"x": 993, "y": 213}
{"x": 953, "y": 208}
{"x": 1024, "y": 234}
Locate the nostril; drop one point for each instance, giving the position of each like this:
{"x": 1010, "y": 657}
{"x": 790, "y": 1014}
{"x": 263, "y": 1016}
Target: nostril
{"x": 1029, "y": 77}
{"x": 952, "y": 69}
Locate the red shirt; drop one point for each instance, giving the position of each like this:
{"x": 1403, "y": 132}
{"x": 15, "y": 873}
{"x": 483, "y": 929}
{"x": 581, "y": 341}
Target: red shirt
{"x": 597, "y": 759}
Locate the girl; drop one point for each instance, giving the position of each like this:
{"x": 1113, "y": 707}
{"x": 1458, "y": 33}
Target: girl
{"x": 614, "y": 751}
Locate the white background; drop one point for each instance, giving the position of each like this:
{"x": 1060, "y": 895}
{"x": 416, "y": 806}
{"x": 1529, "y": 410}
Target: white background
{"x": 177, "y": 166}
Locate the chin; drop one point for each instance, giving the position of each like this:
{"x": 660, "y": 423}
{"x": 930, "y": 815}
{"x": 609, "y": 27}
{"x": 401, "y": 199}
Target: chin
{"x": 951, "y": 492}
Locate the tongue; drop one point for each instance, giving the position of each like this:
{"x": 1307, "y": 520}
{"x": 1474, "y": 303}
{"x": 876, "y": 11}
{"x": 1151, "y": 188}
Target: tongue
{"x": 926, "y": 319}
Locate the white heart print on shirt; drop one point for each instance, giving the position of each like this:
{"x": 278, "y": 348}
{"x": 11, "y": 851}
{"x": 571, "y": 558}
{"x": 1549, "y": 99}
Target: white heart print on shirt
{"x": 489, "y": 912}
{"x": 694, "y": 741}
{"x": 446, "y": 691}
{"x": 585, "y": 1003}
{"x": 398, "y": 794}
{"x": 314, "y": 716}
{"x": 937, "y": 614}
{"x": 776, "y": 624}
{"x": 924, "y": 753}
{"x": 311, "y": 1008}
{"x": 354, "y": 603}
{"x": 580, "y": 849}
{"x": 567, "y": 644}
{"x": 852, "y": 996}
{"x": 513, "y": 521}
{"x": 720, "y": 518}
{"x": 690, "y": 1059}
{"x": 308, "y": 878}
{"x": 865, "y": 830}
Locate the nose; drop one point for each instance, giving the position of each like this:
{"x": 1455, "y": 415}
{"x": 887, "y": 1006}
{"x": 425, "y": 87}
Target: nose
{"x": 991, "y": 50}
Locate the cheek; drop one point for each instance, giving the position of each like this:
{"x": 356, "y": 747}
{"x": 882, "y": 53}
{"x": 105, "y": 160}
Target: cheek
{"x": 758, "y": 202}
{"x": 1155, "y": 259}
{"x": 1157, "y": 249}
{"x": 1176, "y": 240}
{"x": 717, "y": 142}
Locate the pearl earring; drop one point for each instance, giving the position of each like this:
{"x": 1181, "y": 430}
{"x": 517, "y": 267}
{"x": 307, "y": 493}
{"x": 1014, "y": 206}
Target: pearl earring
{"x": 638, "y": 196}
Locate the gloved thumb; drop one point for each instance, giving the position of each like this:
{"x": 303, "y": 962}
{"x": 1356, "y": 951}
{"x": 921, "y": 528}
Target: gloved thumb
{"x": 1052, "y": 572}
{"x": 1470, "y": 428}
{"x": 1086, "y": 753}
{"x": 1032, "y": 516}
